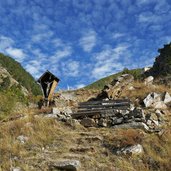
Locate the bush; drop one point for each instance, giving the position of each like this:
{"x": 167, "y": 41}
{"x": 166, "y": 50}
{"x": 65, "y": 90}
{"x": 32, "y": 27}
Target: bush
{"x": 5, "y": 84}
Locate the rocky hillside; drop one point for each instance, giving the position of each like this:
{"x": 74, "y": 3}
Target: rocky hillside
{"x": 120, "y": 123}
{"x": 19, "y": 74}
{"x": 15, "y": 86}
{"x": 124, "y": 127}
{"x": 161, "y": 69}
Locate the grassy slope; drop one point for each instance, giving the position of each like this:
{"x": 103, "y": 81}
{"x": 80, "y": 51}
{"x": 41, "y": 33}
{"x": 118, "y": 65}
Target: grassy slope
{"x": 19, "y": 74}
{"x": 102, "y": 82}
{"x": 51, "y": 140}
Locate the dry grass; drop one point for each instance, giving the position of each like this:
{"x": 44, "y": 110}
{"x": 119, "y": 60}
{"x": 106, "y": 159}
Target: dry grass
{"x": 49, "y": 139}
{"x": 141, "y": 90}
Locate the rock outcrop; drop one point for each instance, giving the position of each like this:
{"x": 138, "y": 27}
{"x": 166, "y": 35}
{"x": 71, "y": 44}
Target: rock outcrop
{"x": 156, "y": 100}
{"x": 114, "y": 89}
{"x": 161, "y": 69}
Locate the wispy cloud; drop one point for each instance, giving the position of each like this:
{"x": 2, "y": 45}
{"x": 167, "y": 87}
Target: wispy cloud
{"x": 88, "y": 40}
{"x": 61, "y": 53}
{"x": 149, "y": 17}
{"x": 18, "y": 54}
{"x": 42, "y": 36}
{"x": 107, "y": 61}
{"x": 118, "y": 35}
{"x": 7, "y": 46}
{"x": 71, "y": 68}
{"x": 5, "y": 42}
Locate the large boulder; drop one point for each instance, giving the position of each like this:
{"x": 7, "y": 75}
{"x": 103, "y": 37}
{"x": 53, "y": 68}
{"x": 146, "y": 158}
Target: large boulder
{"x": 166, "y": 98}
{"x": 151, "y": 99}
{"x": 149, "y": 80}
{"x": 114, "y": 89}
{"x": 156, "y": 100}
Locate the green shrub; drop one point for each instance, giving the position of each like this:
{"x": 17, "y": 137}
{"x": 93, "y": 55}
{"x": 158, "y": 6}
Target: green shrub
{"x": 5, "y": 83}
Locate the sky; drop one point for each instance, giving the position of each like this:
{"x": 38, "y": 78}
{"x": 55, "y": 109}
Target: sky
{"x": 81, "y": 41}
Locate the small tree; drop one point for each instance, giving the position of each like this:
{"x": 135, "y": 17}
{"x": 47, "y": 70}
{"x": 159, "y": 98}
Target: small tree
{"x": 5, "y": 84}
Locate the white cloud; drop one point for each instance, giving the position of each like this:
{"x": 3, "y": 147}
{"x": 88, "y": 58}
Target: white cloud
{"x": 18, "y": 54}
{"x": 7, "y": 47}
{"x": 57, "y": 42}
{"x": 59, "y": 54}
{"x": 42, "y": 36}
{"x": 144, "y": 2}
{"x": 70, "y": 68}
{"x": 88, "y": 41}
{"x": 108, "y": 61}
{"x": 32, "y": 69}
{"x": 118, "y": 35}
{"x": 35, "y": 68}
{"x": 5, "y": 42}
{"x": 107, "y": 69}
{"x": 149, "y": 17}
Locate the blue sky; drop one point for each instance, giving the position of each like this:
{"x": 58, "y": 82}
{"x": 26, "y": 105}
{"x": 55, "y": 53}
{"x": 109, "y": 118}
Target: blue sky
{"x": 81, "y": 41}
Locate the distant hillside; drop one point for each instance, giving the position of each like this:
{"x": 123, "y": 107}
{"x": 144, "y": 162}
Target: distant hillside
{"x": 19, "y": 74}
{"x": 102, "y": 82}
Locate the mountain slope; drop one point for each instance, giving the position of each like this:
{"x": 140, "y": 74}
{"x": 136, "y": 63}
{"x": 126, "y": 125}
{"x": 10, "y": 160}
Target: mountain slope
{"x": 99, "y": 84}
{"x": 19, "y": 74}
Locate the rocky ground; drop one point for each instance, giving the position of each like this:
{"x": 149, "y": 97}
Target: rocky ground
{"x": 139, "y": 137}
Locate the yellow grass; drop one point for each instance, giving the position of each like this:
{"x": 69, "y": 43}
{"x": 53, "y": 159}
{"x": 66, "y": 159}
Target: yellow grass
{"x": 49, "y": 139}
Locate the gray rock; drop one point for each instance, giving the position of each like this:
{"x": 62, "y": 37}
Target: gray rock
{"x": 50, "y": 116}
{"x": 117, "y": 121}
{"x": 135, "y": 149}
{"x": 153, "y": 116}
{"x": 67, "y": 110}
{"x": 159, "y": 115}
{"x": 67, "y": 165}
{"x": 151, "y": 98}
{"x": 131, "y": 88}
{"x": 102, "y": 122}
{"x": 138, "y": 113}
{"x": 55, "y": 110}
{"x": 159, "y": 105}
{"x": 88, "y": 122}
{"x": 62, "y": 117}
{"x": 138, "y": 125}
{"x": 22, "y": 139}
{"x": 148, "y": 80}
{"x": 16, "y": 169}
{"x": 157, "y": 101}
{"x": 166, "y": 98}
{"x": 156, "y": 122}
{"x": 73, "y": 122}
